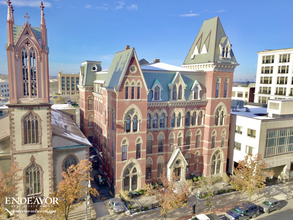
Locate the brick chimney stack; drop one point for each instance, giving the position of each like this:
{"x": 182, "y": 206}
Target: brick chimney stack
{"x": 156, "y": 60}
{"x": 126, "y": 47}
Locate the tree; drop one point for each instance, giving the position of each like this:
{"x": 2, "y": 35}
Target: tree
{"x": 250, "y": 175}
{"x": 8, "y": 184}
{"x": 58, "y": 99}
{"x": 171, "y": 197}
{"x": 70, "y": 189}
{"x": 208, "y": 186}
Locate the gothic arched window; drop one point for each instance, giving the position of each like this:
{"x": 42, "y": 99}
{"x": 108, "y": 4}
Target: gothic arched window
{"x": 33, "y": 73}
{"x": 33, "y": 180}
{"x": 160, "y": 170}
{"x": 25, "y": 79}
{"x": 193, "y": 120}
{"x": 216, "y": 163}
{"x": 173, "y": 120}
{"x": 199, "y": 118}
{"x": 127, "y": 124}
{"x": 149, "y": 121}
{"x": 179, "y": 120}
{"x": 162, "y": 120}
{"x": 219, "y": 116}
{"x": 135, "y": 123}
{"x": 31, "y": 129}
{"x": 187, "y": 119}
{"x": 155, "y": 121}
{"x": 196, "y": 161}
{"x": 70, "y": 160}
{"x": 157, "y": 93}
{"x": 180, "y": 92}
{"x": 214, "y": 135}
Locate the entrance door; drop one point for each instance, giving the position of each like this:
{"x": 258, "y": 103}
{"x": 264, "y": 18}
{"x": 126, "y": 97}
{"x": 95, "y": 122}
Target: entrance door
{"x": 177, "y": 172}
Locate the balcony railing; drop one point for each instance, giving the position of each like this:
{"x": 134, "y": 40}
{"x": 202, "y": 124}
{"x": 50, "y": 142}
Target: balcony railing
{"x": 264, "y": 92}
{"x": 266, "y": 82}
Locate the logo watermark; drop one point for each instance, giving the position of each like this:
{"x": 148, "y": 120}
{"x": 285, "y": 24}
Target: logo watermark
{"x": 31, "y": 201}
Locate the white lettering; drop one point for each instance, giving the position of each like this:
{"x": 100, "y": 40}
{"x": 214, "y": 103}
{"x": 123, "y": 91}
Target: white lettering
{"x": 17, "y": 201}
{"x": 7, "y": 200}
{"x": 29, "y": 200}
{"x": 55, "y": 201}
{"x": 47, "y": 201}
{"x": 23, "y": 198}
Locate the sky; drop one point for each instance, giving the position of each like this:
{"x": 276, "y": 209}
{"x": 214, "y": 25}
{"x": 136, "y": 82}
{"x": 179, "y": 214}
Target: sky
{"x": 80, "y": 30}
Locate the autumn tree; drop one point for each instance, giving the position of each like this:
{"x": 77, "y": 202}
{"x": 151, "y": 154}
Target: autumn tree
{"x": 170, "y": 196}
{"x": 207, "y": 184}
{"x": 250, "y": 175}
{"x": 8, "y": 184}
{"x": 71, "y": 188}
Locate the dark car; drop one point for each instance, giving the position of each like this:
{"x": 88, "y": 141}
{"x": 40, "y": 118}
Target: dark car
{"x": 244, "y": 211}
{"x": 269, "y": 205}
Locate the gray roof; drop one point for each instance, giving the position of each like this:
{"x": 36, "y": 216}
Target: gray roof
{"x": 210, "y": 35}
{"x": 118, "y": 68}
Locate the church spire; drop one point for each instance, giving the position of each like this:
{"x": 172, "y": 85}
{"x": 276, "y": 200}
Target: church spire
{"x": 9, "y": 11}
{"x": 43, "y": 26}
{"x": 12, "y": 16}
{"x": 43, "y": 22}
{"x": 9, "y": 24}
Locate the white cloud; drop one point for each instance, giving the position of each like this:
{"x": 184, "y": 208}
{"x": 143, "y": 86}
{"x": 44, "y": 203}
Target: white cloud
{"x": 120, "y": 6}
{"x": 106, "y": 57}
{"x": 132, "y": 7}
{"x": 29, "y": 3}
{"x": 104, "y": 7}
{"x": 189, "y": 15}
{"x": 88, "y": 6}
{"x": 221, "y": 11}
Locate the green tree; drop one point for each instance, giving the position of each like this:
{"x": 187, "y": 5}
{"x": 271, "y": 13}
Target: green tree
{"x": 250, "y": 175}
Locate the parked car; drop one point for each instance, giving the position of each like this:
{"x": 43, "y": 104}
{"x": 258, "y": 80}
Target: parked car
{"x": 269, "y": 205}
{"x": 133, "y": 194}
{"x": 116, "y": 204}
{"x": 207, "y": 217}
{"x": 100, "y": 179}
{"x": 244, "y": 211}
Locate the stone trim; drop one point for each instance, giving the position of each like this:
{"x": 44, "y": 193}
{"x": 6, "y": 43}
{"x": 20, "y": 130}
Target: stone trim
{"x": 177, "y": 103}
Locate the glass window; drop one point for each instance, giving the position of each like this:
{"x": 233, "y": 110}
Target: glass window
{"x": 157, "y": 93}
{"x": 155, "y": 121}
{"x": 187, "y": 119}
{"x": 135, "y": 123}
{"x": 251, "y": 133}
{"x": 161, "y": 145}
{"x": 174, "y": 96}
{"x": 128, "y": 124}
{"x": 162, "y": 120}
{"x": 124, "y": 152}
{"x": 180, "y": 92}
{"x": 238, "y": 129}
{"x": 138, "y": 151}
{"x": 237, "y": 146}
{"x": 249, "y": 150}
{"x": 126, "y": 92}
{"x": 195, "y": 93}
{"x": 31, "y": 129}
{"x": 148, "y": 171}
{"x": 132, "y": 92}
{"x": 149, "y": 146}
{"x": 179, "y": 120}
{"x": 70, "y": 160}
{"x": 160, "y": 170}
{"x": 33, "y": 180}
{"x": 138, "y": 92}
{"x": 173, "y": 121}
{"x": 148, "y": 121}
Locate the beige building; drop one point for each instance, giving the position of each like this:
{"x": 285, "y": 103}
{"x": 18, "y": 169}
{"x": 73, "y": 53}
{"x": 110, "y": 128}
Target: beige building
{"x": 267, "y": 131}
{"x": 245, "y": 94}
{"x": 274, "y": 75}
{"x": 67, "y": 83}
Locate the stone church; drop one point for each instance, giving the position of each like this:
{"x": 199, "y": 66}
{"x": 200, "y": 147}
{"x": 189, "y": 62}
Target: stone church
{"x": 149, "y": 118}
{"x": 43, "y": 141}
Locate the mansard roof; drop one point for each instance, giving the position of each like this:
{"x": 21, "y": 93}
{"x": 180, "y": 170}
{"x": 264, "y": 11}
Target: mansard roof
{"x": 205, "y": 47}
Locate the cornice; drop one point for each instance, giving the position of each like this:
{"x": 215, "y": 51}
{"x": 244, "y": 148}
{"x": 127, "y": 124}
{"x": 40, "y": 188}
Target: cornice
{"x": 177, "y": 103}
{"x": 220, "y": 67}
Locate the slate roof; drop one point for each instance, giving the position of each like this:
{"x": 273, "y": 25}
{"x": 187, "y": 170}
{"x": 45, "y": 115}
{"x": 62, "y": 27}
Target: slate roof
{"x": 18, "y": 28}
{"x": 210, "y": 35}
{"x": 59, "y": 120}
{"x": 117, "y": 69}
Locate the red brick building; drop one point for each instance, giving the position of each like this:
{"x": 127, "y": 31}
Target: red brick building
{"x": 146, "y": 118}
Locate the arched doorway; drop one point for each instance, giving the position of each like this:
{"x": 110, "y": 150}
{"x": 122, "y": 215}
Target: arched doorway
{"x": 216, "y": 163}
{"x": 131, "y": 178}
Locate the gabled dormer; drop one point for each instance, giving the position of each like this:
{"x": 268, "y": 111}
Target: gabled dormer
{"x": 177, "y": 88}
{"x": 195, "y": 93}
{"x": 225, "y": 48}
{"x": 157, "y": 91}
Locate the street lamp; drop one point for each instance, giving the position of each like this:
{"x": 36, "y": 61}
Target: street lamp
{"x": 88, "y": 184}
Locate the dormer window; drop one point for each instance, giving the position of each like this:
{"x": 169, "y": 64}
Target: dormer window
{"x": 157, "y": 90}
{"x": 177, "y": 88}
{"x": 195, "y": 91}
{"x": 180, "y": 92}
{"x": 225, "y": 48}
{"x": 174, "y": 92}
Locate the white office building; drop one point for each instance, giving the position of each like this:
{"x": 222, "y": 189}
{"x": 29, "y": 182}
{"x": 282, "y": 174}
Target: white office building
{"x": 268, "y": 131}
{"x": 4, "y": 89}
{"x": 274, "y": 75}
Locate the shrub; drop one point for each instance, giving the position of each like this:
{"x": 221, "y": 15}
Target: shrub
{"x": 229, "y": 190}
{"x": 137, "y": 210}
{"x": 148, "y": 189}
{"x": 146, "y": 208}
{"x": 224, "y": 191}
{"x": 194, "y": 179}
{"x": 226, "y": 178}
{"x": 125, "y": 195}
{"x": 140, "y": 191}
{"x": 130, "y": 207}
{"x": 219, "y": 191}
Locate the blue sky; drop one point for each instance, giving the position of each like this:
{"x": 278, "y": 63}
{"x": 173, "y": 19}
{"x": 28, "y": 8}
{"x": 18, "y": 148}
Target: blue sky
{"x": 96, "y": 30}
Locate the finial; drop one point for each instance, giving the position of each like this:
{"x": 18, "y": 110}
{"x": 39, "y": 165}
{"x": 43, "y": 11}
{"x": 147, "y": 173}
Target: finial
{"x": 26, "y": 17}
{"x": 8, "y": 2}
{"x": 42, "y": 6}
{"x": 12, "y": 10}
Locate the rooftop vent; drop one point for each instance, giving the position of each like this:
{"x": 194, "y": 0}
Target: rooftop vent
{"x": 65, "y": 126}
{"x": 156, "y": 60}
{"x": 126, "y": 47}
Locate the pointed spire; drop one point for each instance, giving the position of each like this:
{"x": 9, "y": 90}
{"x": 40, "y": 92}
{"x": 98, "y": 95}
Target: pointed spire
{"x": 9, "y": 11}
{"x": 12, "y": 16}
{"x": 43, "y": 22}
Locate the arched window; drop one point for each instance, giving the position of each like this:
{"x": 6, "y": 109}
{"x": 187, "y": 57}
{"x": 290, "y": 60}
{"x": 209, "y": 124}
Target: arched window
{"x": 128, "y": 124}
{"x": 216, "y": 163}
{"x": 219, "y": 116}
{"x": 155, "y": 121}
{"x": 138, "y": 148}
{"x": 214, "y": 135}
{"x": 149, "y": 144}
{"x": 90, "y": 121}
{"x": 157, "y": 93}
{"x": 138, "y": 92}
{"x": 193, "y": 120}
{"x": 174, "y": 97}
{"x": 171, "y": 142}
{"x": 134, "y": 179}
{"x": 180, "y": 92}
{"x": 187, "y": 119}
{"x": 149, "y": 164}
{"x": 132, "y": 92}
{"x": 25, "y": 79}
{"x": 70, "y": 160}
{"x": 160, "y": 170}
{"x": 198, "y": 136}
{"x": 195, "y": 93}
{"x": 179, "y": 120}
{"x": 161, "y": 144}
{"x": 90, "y": 104}
{"x": 126, "y": 92}
{"x": 188, "y": 139}
{"x": 33, "y": 180}
{"x": 199, "y": 118}
{"x": 173, "y": 120}
{"x": 33, "y": 73}
{"x": 162, "y": 120}
{"x": 135, "y": 123}
{"x": 124, "y": 152}
{"x": 223, "y": 138}
{"x": 222, "y": 118}
{"x": 196, "y": 161}
{"x": 31, "y": 129}
{"x": 126, "y": 179}
{"x": 149, "y": 121}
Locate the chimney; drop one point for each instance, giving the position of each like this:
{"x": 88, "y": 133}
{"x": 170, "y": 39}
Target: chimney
{"x": 126, "y": 47}
{"x": 156, "y": 60}
{"x": 65, "y": 126}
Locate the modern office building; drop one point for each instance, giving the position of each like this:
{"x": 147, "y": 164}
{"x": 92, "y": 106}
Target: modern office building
{"x": 245, "y": 94}
{"x": 146, "y": 119}
{"x": 4, "y": 89}
{"x": 267, "y": 131}
{"x": 274, "y": 75}
{"x": 68, "y": 83}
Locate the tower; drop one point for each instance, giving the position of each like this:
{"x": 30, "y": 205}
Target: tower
{"x": 29, "y": 107}
{"x": 212, "y": 53}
